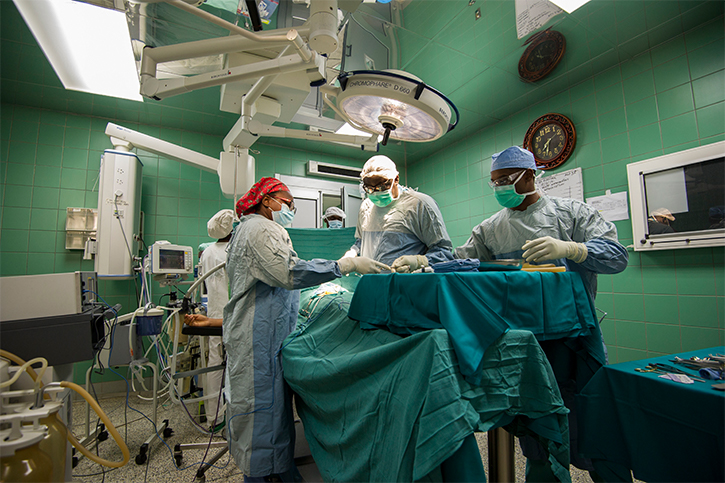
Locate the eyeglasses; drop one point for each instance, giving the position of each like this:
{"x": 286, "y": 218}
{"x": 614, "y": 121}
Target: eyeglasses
{"x": 290, "y": 204}
{"x": 505, "y": 180}
{"x": 383, "y": 186}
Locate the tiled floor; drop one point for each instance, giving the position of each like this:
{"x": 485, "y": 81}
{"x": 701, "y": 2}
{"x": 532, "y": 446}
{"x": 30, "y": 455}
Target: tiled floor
{"x": 160, "y": 466}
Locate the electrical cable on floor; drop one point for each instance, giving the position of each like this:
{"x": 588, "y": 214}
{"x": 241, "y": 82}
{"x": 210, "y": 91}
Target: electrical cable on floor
{"x": 213, "y": 424}
{"x": 98, "y": 423}
{"x": 128, "y": 390}
{"x": 95, "y": 474}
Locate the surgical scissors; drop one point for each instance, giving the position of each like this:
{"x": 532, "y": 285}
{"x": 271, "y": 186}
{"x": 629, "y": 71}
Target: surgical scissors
{"x": 668, "y": 368}
{"x": 649, "y": 369}
{"x": 664, "y": 369}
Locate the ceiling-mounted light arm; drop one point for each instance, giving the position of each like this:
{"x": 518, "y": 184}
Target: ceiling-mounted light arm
{"x": 236, "y": 173}
{"x": 127, "y": 138}
{"x": 154, "y": 88}
{"x": 292, "y": 35}
{"x": 257, "y": 90}
{"x": 152, "y": 56}
{"x": 420, "y": 87}
{"x": 256, "y": 128}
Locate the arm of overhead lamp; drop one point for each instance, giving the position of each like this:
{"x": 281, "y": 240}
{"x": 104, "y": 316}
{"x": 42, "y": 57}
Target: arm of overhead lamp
{"x": 160, "y": 89}
{"x": 366, "y": 143}
{"x": 160, "y": 148}
{"x": 235, "y": 169}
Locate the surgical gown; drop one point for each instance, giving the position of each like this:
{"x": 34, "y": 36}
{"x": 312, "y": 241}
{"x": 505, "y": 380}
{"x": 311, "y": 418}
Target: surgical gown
{"x": 264, "y": 274}
{"x": 410, "y": 225}
{"x": 503, "y": 235}
{"x": 217, "y": 286}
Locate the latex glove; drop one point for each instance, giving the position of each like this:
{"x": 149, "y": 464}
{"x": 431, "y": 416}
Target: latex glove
{"x": 409, "y": 263}
{"x": 548, "y": 248}
{"x": 363, "y": 265}
{"x": 350, "y": 253}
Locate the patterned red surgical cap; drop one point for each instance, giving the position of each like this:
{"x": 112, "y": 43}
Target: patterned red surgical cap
{"x": 264, "y": 186}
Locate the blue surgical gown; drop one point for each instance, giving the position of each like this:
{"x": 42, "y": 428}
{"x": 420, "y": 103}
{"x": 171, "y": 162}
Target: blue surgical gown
{"x": 265, "y": 275}
{"x": 410, "y": 225}
{"x": 502, "y": 236}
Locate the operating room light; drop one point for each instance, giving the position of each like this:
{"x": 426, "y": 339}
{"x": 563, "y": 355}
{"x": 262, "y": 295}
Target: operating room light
{"x": 88, "y": 46}
{"x": 569, "y": 5}
{"x": 396, "y": 105}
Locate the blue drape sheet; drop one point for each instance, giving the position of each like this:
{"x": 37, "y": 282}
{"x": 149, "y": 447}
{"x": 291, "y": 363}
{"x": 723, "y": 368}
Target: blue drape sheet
{"x": 476, "y": 308}
{"x": 377, "y": 406}
{"x": 661, "y": 430}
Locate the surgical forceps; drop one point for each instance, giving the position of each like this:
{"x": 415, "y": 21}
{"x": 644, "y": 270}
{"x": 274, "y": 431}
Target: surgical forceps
{"x": 665, "y": 369}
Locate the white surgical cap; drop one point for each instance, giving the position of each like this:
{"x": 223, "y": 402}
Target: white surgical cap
{"x": 379, "y": 166}
{"x": 334, "y": 211}
{"x": 221, "y": 224}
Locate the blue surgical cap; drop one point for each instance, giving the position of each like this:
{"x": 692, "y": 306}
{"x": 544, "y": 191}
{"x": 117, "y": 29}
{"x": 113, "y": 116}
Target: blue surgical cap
{"x": 513, "y": 157}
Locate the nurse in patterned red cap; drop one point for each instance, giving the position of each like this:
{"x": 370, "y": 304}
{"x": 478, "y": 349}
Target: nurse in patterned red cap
{"x": 265, "y": 275}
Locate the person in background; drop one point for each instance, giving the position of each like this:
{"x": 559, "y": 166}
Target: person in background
{"x": 659, "y": 221}
{"x": 540, "y": 228}
{"x": 398, "y": 225}
{"x": 203, "y": 246}
{"x": 265, "y": 275}
{"x": 219, "y": 226}
{"x": 716, "y": 216}
{"x": 333, "y": 217}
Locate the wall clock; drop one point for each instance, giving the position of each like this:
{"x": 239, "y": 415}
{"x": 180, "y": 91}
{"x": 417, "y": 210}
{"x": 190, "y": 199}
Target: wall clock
{"x": 544, "y": 52}
{"x": 551, "y": 138}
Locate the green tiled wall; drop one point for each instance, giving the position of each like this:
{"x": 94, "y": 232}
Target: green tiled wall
{"x": 50, "y": 161}
{"x": 670, "y": 98}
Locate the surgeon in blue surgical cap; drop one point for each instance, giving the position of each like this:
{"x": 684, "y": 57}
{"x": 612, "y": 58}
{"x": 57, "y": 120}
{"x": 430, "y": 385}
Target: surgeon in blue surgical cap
{"x": 544, "y": 229}
{"x": 397, "y": 225}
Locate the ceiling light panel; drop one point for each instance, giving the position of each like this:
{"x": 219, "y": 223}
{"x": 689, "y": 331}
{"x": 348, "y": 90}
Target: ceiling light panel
{"x": 88, "y": 46}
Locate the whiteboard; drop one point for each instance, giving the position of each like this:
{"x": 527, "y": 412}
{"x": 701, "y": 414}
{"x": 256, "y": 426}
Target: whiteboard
{"x": 567, "y": 184}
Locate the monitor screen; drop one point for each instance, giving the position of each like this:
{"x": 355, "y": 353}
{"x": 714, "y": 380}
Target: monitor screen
{"x": 171, "y": 259}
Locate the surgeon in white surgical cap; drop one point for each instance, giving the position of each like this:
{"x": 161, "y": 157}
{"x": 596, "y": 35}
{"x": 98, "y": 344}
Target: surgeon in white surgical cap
{"x": 397, "y": 225}
{"x": 334, "y": 217}
{"x": 544, "y": 229}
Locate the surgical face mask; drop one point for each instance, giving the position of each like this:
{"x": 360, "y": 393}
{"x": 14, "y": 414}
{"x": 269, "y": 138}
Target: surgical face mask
{"x": 381, "y": 198}
{"x": 508, "y": 197}
{"x": 335, "y": 223}
{"x": 284, "y": 216}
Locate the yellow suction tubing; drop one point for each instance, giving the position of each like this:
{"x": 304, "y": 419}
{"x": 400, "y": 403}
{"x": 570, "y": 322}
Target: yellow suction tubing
{"x": 94, "y": 404}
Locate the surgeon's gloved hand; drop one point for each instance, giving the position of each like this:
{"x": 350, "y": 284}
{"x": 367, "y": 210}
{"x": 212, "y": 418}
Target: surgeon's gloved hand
{"x": 548, "y": 248}
{"x": 409, "y": 263}
{"x": 363, "y": 265}
{"x": 350, "y": 253}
